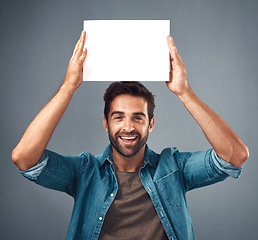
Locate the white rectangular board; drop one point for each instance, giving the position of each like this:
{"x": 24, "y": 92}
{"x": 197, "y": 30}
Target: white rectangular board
{"x": 126, "y": 50}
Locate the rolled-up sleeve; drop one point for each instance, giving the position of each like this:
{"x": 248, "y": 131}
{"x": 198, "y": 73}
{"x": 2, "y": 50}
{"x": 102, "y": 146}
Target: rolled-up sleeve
{"x": 224, "y": 166}
{"x": 204, "y": 168}
{"x": 57, "y": 172}
{"x": 35, "y": 171}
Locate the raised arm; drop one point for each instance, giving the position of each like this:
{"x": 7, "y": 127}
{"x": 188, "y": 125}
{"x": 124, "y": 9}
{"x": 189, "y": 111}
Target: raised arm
{"x": 35, "y": 139}
{"x": 221, "y": 136}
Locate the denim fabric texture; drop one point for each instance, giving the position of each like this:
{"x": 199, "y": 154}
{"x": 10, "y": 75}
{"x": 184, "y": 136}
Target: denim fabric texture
{"x": 167, "y": 176}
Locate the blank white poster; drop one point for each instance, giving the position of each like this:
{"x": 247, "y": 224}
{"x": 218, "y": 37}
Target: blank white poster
{"x": 126, "y": 50}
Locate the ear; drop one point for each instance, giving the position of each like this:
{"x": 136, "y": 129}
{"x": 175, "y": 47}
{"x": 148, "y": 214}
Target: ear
{"x": 105, "y": 124}
{"x": 151, "y": 125}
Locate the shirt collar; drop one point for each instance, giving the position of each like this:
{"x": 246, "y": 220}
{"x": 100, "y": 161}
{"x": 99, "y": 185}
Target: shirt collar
{"x": 107, "y": 155}
{"x": 150, "y": 157}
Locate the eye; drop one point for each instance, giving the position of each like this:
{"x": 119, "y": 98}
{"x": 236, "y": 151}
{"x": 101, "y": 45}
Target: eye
{"x": 137, "y": 118}
{"x": 118, "y": 118}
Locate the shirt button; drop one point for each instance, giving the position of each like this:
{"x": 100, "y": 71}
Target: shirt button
{"x": 100, "y": 218}
{"x": 112, "y": 194}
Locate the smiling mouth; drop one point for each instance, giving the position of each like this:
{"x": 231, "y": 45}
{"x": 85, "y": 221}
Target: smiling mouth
{"x": 130, "y": 139}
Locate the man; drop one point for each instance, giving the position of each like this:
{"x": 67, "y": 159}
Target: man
{"x": 129, "y": 192}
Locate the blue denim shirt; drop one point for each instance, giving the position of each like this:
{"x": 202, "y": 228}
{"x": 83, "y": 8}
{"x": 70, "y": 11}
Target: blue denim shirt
{"x": 167, "y": 177}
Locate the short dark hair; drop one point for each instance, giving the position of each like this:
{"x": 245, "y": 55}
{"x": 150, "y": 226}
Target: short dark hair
{"x": 133, "y": 88}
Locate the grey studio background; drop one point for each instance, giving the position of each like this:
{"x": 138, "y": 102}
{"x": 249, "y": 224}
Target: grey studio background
{"x": 217, "y": 41}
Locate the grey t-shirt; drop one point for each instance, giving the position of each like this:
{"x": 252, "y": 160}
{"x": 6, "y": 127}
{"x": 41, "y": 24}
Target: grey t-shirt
{"x": 132, "y": 214}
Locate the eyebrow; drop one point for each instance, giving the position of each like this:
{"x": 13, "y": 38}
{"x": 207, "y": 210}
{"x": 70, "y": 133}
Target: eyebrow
{"x": 139, "y": 113}
{"x": 117, "y": 112}
{"x": 121, "y": 113}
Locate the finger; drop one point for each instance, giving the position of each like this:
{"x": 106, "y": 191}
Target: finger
{"x": 171, "y": 47}
{"x": 175, "y": 57}
{"x": 83, "y": 55}
{"x": 82, "y": 41}
{"x": 170, "y": 43}
{"x": 76, "y": 48}
{"x": 170, "y": 77}
{"x": 170, "y": 40}
{"x": 171, "y": 64}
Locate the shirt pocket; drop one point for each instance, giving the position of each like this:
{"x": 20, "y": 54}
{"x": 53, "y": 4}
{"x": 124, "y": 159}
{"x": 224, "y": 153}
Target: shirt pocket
{"x": 171, "y": 189}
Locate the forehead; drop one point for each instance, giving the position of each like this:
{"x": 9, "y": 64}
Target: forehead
{"x": 129, "y": 104}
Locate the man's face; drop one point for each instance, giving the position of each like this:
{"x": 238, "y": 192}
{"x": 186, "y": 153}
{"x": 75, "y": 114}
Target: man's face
{"x": 128, "y": 124}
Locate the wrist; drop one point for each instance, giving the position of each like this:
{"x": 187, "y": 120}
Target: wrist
{"x": 72, "y": 80}
{"x": 186, "y": 95}
{"x": 67, "y": 89}
{"x": 185, "y": 92}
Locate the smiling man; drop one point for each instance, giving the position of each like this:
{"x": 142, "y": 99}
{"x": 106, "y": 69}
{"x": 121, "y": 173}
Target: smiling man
{"x": 129, "y": 191}
{"x": 128, "y": 125}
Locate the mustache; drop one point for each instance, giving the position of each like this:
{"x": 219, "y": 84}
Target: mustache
{"x": 127, "y": 134}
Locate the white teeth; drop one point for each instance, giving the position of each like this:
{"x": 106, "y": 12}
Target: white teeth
{"x": 128, "y": 138}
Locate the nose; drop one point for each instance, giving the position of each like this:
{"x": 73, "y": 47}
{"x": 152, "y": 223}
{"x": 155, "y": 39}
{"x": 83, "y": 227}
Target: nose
{"x": 128, "y": 125}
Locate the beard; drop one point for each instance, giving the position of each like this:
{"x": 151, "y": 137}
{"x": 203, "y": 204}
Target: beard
{"x": 127, "y": 150}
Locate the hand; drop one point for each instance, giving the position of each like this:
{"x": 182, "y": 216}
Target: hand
{"x": 178, "y": 82}
{"x": 74, "y": 74}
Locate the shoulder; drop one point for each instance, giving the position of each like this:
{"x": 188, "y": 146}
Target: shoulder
{"x": 70, "y": 162}
{"x": 89, "y": 158}
{"x": 167, "y": 157}
{"x": 172, "y": 156}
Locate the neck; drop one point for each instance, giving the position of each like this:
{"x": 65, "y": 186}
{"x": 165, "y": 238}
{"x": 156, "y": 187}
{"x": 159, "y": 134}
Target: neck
{"x": 128, "y": 164}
